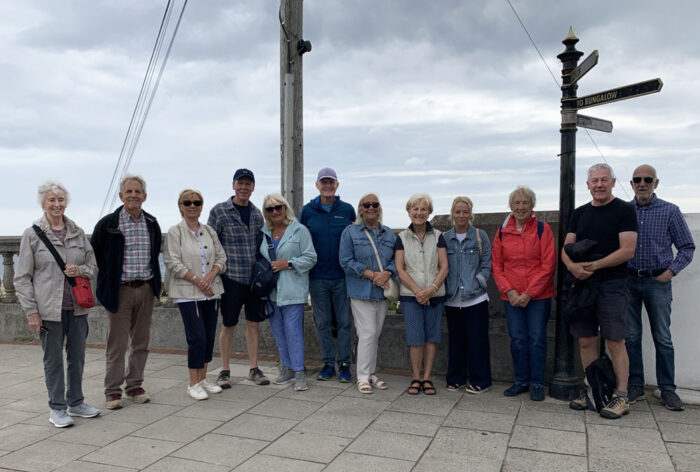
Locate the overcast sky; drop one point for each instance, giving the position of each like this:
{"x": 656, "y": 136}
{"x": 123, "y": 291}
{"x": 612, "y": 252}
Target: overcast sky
{"x": 447, "y": 97}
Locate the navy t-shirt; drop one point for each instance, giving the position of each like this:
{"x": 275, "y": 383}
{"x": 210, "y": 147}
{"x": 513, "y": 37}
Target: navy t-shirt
{"x": 604, "y": 225}
{"x": 244, "y": 211}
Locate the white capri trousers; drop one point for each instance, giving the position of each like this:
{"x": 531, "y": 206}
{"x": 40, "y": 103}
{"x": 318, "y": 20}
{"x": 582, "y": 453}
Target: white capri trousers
{"x": 369, "y": 319}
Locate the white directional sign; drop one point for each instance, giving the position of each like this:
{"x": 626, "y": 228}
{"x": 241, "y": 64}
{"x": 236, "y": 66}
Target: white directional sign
{"x": 587, "y": 64}
{"x": 594, "y": 123}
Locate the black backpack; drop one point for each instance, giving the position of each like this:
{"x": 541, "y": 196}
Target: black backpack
{"x": 602, "y": 381}
{"x": 262, "y": 279}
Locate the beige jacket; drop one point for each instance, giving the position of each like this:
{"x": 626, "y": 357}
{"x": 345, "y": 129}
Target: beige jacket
{"x": 38, "y": 279}
{"x": 421, "y": 260}
{"x": 182, "y": 254}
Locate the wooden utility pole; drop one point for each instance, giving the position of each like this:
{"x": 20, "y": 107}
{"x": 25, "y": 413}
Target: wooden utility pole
{"x": 292, "y": 47}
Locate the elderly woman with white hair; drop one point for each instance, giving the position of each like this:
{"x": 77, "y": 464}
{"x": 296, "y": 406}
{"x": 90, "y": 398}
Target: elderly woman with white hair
{"x": 420, "y": 256}
{"x": 288, "y": 246}
{"x": 367, "y": 257}
{"x": 524, "y": 260}
{"x": 45, "y": 294}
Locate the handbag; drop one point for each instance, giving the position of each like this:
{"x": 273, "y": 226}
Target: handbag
{"x": 82, "y": 291}
{"x": 391, "y": 293}
{"x": 262, "y": 278}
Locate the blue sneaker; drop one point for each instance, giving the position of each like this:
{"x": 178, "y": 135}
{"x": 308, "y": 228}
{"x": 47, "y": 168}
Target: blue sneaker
{"x": 327, "y": 373}
{"x": 537, "y": 393}
{"x": 344, "y": 375}
{"x": 516, "y": 389}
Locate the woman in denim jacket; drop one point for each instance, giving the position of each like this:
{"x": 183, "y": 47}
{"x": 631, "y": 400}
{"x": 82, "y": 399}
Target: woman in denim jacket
{"x": 467, "y": 306}
{"x": 365, "y": 281}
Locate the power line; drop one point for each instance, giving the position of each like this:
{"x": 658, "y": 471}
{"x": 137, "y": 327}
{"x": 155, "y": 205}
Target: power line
{"x": 556, "y": 83}
{"x": 143, "y": 102}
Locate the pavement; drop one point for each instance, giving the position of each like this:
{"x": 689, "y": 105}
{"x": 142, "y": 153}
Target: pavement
{"x": 330, "y": 427}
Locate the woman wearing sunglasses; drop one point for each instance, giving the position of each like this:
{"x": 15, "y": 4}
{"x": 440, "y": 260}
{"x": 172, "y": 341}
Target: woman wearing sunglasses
{"x": 195, "y": 258}
{"x": 361, "y": 244}
{"x": 288, "y": 246}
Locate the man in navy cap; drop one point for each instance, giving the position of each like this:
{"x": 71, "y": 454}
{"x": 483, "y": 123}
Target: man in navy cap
{"x": 326, "y": 216}
{"x": 237, "y": 222}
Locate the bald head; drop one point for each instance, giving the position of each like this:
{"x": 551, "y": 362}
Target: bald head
{"x": 644, "y": 182}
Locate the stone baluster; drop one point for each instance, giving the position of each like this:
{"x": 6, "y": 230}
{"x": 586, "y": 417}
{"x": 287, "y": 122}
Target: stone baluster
{"x": 8, "y": 278}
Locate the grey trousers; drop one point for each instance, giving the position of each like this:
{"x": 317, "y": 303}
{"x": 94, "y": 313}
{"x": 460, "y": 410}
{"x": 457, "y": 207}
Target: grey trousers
{"x": 74, "y": 330}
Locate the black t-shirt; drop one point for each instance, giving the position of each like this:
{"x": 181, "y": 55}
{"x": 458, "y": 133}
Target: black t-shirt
{"x": 244, "y": 211}
{"x": 604, "y": 225}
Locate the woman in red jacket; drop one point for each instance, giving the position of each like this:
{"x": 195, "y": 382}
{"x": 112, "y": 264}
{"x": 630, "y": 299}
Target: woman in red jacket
{"x": 524, "y": 260}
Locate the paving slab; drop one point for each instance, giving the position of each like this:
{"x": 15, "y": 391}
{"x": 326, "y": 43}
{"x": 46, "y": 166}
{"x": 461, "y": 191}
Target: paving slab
{"x": 44, "y": 456}
{"x": 8, "y": 416}
{"x": 401, "y": 422}
{"x": 679, "y": 432}
{"x": 438, "y": 405}
{"x": 178, "y": 429}
{"x": 220, "y": 449}
{"x": 352, "y": 462}
{"x": 691, "y": 415}
{"x": 132, "y": 452}
{"x": 685, "y": 457}
{"x": 635, "y": 439}
{"x": 83, "y": 466}
{"x": 637, "y": 419}
{"x": 23, "y": 435}
{"x": 97, "y": 431}
{"x": 144, "y": 413}
{"x": 455, "y": 449}
{"x": 264, "y": 428}
{"x": 262, "y": 462}
{"x": 480, "y": 420}
{"x": 392, "y": 445}
{"x": 289, "y": 408}
{"x": 548, "y": 440}
{"x": 308, "y": 446}
{"x": 214, "y": 409}
{"x": 524, "y": 460}
{"x": 542, "y": 418}
{"x": 176, "y": 464}
{"x": 488, "y": 402}
{"x": 625, "y": 460}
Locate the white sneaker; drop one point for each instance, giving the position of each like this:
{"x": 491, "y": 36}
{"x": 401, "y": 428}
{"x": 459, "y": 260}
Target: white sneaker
{"x": 60, "y": 418}
{"x": 210, "y": 387}
{"x": 83, "y": 410}
{"x": 197, "y": 392}
{"x": 300, "y": 381}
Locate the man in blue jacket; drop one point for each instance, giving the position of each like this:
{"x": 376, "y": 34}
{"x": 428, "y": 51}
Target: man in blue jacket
{"x": 127, "y": 246}
{"x": 326, "y": 216}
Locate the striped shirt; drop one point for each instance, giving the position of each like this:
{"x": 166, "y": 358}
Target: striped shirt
{"x": 137, "y": 248}
{"x": 661, "y": 225}
{"x": 237, "y": 238}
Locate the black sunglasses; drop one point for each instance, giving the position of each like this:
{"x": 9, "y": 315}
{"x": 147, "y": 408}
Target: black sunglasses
{"x": 371, "y": 204}
{"x": 197, "y": 203}
{"x": 274, "y": 208}
{"x": 647, "y": 180}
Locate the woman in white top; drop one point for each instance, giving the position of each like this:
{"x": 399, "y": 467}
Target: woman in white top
{"x": 195, "y": 258}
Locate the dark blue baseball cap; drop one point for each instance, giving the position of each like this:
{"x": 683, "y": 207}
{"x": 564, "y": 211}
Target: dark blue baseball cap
{"x": 240, "y": 173}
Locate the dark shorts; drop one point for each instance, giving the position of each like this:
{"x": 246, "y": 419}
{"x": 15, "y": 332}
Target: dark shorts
{"x": 609, "y": 313}
{"x": 235, "y": 296}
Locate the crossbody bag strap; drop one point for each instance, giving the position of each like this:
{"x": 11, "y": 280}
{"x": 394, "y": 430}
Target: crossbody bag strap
{"x": 53, "y": 251}
{"x": 376, "y": 253}
{"x": 271, "y": 248}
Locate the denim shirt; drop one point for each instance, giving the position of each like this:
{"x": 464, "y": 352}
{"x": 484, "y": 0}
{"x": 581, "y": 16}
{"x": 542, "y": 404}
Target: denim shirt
{"x": 468, "y": 272}
{"x": 356, "y": 255}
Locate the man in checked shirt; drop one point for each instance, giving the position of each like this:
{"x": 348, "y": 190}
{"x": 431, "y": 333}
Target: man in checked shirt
{"x": 661, "y": 225}
{"x": 127, "y": 246}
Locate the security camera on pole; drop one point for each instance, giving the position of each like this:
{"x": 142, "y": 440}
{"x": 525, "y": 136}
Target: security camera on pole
{"x": 565, "y": 383}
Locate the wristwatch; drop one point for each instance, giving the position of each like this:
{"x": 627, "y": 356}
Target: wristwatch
{"x": 290, "y": 266}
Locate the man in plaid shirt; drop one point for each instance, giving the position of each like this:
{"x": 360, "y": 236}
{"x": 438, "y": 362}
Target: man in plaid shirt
{"x": 238, "y": 222}
{"x": 127, "y": 247}
{"x": 661, "y": 225}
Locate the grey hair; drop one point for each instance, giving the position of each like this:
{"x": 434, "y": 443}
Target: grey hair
{"x": 128, "y": 177}
{"x": 417, "y": 198}
{"x": 522, "y": 190}
{"x": 600, "y": 166}
{"x": 359, "y": 218}
{"x": 272, "y": 199}
{"x": 51, "y": 186}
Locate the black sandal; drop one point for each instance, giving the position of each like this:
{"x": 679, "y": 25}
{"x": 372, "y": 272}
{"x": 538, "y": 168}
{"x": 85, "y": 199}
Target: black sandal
{"x": 428, "y": 387}
{"x": 415, "y": 387}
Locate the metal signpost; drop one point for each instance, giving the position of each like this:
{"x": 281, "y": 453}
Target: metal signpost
{"x": 565, "y": 383}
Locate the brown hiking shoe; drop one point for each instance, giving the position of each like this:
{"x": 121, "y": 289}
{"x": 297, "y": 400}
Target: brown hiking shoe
{"x": 580, "y": 403}
{"x": 616, "y": 408}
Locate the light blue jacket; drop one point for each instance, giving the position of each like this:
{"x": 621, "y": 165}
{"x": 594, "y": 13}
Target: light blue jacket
{"x": 356, "y": 255}
{"x": 296, "y": 247}
{"x": 468, "y": 271}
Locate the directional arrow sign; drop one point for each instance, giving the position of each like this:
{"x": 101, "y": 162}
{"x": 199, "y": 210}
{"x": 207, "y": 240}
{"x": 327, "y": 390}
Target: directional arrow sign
{"x": 594, "y": 123}
{"x": 583, "y": 68}
{"x": 613, "y": 95}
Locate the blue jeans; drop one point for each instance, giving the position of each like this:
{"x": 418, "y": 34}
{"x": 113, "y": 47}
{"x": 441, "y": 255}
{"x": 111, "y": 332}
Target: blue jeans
{"x": 286, "y": 326}
{"x": 322, "y": 292}
{"x": 528, "y": 340}
{"x": 656, "y": 297}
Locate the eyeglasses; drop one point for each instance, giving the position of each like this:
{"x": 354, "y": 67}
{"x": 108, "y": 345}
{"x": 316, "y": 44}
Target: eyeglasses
{"x": 274, "y": 208}
{"x": 366, "y": 205}
{"x": 197, "y": 203}
{"x": 647, "y": 180}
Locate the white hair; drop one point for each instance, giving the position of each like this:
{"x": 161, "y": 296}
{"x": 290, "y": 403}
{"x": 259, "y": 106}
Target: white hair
{"x": 600, "y": 166}
{"x": 53, "y": 186}
{"x": 128, "y": 177}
